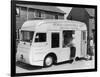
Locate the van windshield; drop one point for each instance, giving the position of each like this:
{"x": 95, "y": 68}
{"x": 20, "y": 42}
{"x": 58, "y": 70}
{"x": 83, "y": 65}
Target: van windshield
{"x": 27, "y": 36}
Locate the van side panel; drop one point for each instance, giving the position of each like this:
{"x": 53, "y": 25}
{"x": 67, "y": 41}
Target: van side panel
{"x": 78, "y": 43}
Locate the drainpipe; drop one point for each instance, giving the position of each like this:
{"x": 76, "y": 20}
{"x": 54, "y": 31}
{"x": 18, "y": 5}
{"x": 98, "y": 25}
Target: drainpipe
{"x": 27, "y": 13}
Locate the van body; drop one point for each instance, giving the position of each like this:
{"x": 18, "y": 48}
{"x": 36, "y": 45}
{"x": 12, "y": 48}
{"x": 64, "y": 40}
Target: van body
{"x": 42, "y": 38}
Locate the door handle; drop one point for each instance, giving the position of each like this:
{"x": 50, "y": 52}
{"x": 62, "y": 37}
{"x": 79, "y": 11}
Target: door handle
{"x": 46, "y": 43}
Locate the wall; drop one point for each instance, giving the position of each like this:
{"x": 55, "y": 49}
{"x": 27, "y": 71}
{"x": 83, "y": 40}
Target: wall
{"x": 91, "y": 26}
{"x": 31, "y": 15}
{"x": 22, "y": 17}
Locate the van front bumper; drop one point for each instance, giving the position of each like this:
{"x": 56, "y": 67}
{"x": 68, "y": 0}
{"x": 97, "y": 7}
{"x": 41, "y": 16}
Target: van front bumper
{"x": 37, "y": 63}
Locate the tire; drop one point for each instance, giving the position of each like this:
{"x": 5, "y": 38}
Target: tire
{"x": 48, "y": 61}
{"x": 71, "y": 61}
{"x": 77, "y": 59}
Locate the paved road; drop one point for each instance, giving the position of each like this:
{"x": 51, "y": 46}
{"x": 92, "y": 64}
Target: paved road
{"x": 83, "y": 64}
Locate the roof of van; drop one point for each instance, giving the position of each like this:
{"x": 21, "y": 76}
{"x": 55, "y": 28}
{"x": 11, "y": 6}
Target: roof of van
{"x": 32, "y": 24}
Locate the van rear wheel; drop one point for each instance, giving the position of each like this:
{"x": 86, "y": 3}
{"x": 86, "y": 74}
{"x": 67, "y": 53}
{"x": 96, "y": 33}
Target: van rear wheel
{"x": 71, "y": 61}
{"x": 77, "y": 59}
{"x": 48, "y": 61}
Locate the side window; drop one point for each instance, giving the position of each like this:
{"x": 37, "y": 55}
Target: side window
{"x": 67, "y": 37}
{"x": 56, "y": 16}
{"x": 42, "y": 14}
{"x": 55, "y": 40}
{"x": 40, "y": 37}
{"x": 37, "y": 13}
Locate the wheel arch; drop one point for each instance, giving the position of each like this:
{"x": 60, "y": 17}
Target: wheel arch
{"x": 52, "y": 55}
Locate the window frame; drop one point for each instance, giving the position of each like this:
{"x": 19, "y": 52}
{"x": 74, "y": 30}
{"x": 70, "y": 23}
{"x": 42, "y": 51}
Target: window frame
{"x": 43, "y": 14}
{"x": 68, "y": 44}
{"x": 22, "y": 35}
{"x": 40, "y": 41}
{"x": 58, "y": 33}
{"x": 37, "y": 14}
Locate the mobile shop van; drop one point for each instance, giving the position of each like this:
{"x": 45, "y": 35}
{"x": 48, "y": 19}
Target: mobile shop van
{"x": 46, "y": 42}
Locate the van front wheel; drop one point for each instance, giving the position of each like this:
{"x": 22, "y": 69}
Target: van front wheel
{"x": 48, "y": 61}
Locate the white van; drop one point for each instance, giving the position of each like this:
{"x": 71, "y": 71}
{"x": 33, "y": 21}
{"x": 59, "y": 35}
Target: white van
{"x": 45, "y": 42}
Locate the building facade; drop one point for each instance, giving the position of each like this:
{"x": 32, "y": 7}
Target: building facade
{"x": 86, "y": 15}
{"x": 32, "y": 12}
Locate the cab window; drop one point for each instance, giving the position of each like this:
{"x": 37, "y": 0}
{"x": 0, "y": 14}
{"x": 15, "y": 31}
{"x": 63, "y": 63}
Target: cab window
{"x": 27, "y": 36}
{"x": 40, "y": 37}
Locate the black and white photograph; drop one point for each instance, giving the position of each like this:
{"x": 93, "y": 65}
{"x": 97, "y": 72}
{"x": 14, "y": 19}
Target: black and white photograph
{"x": 51, "y": 38}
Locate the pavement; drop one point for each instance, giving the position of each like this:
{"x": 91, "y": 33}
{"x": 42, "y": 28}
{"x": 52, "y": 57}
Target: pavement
{"x": 82, "y": 64}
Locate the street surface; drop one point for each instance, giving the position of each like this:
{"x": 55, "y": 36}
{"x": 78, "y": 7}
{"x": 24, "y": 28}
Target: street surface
{"x": 82, "y": 64}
